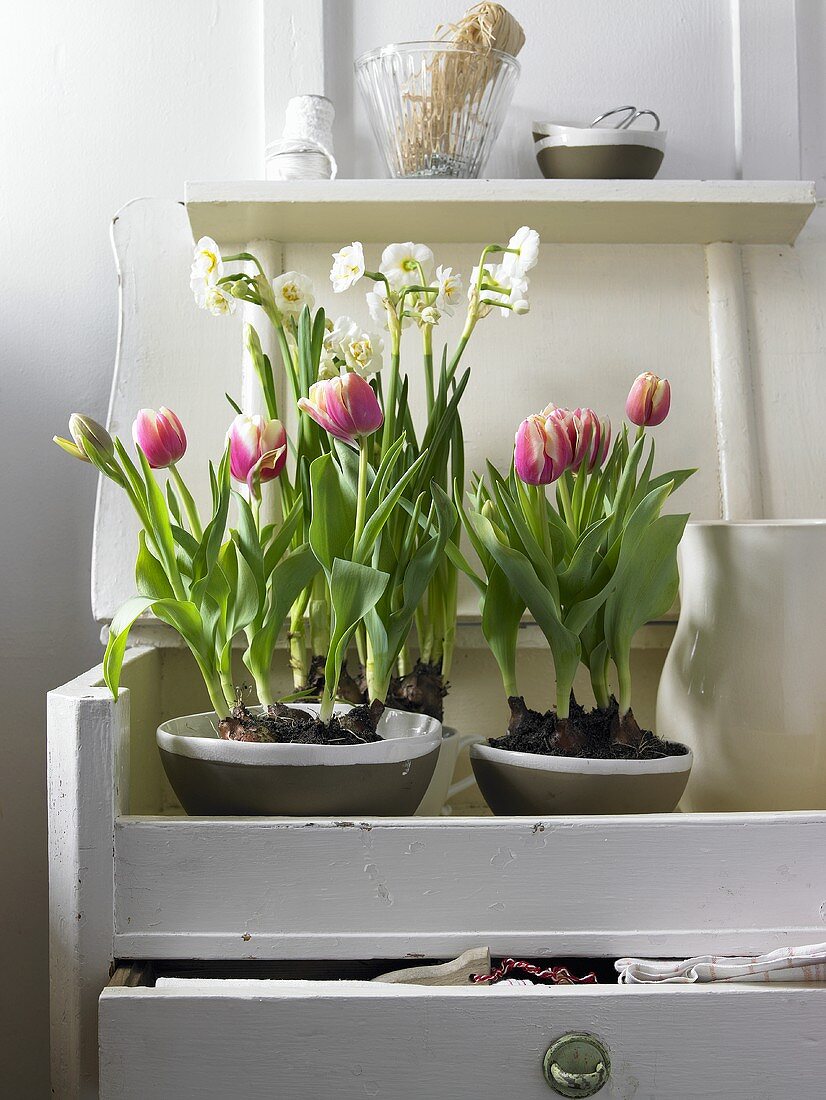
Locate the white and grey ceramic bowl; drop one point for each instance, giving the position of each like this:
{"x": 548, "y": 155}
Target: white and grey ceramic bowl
{"x": 213, "y": 777}
{"x": 516, "y": 783}
{"x": 588, "y": 152}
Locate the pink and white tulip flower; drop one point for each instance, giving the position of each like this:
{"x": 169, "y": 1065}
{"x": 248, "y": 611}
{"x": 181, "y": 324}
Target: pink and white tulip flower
{"x": 257, "y": 448}
{"x": 589, "y": 436}
{"x": 345, "y": 406}
{"x": 161, "y": 437}
{"x": 648, "y": 400}
{"x": 543, "y": 449}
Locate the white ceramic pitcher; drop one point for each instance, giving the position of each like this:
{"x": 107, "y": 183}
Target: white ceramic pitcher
{"x": 744, "y": 684}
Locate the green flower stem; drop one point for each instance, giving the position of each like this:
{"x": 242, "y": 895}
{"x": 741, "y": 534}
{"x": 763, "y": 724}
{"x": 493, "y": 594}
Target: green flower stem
{"x": 563, "y": 699}
{"x": 404, "y": 663}
{"x": 227, "y": 686}
{"x": 318, "y": 615}
{"x": 460, "y": 347}
{"x": 623, "y": 666}
{"x": 263, "y": 690}
{"x": 239, "y": 256}
{"x": 567, "y": 506}
{"x": 297, "y": 641}
{"x": 361, "y": 498}
{"x": 427, "y": 352}
{"x": 540, "y": 511}
{"x": 599, "y": 678}
{"x": 222, "y": 703}
{"x": 388, "y": 434}
{"x": 190, "y": 507}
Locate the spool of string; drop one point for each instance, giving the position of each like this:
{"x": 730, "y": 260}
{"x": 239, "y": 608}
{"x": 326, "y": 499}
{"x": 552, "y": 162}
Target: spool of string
{"x": 305, "y": 150}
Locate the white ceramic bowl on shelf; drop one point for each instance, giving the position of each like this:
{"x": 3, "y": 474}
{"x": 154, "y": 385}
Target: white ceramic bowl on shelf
{"x": 214, "y": 777}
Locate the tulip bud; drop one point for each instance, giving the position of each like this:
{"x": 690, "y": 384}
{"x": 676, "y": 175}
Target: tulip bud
{"x": 90, "y": 441}
{"x": 257, "y": 449}
{"x": 542, "y": 451}
{"x": 648, "y": 400}
{"x": 345, "y": 406}
{"x": 161, "y": 437}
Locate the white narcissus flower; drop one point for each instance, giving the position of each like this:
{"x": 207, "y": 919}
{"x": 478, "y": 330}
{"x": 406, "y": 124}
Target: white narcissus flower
{"x": 363, "y": 352}
{"x": 401, "y": 264}
{"x": 377, "y": 305}
{"x": 348, "y": 266}
{"x": 430, "y": 315}
{"x": 514, "y": 289}
{"x": 376, "y": 300}
{"x": 217, "y": 299}
{"x": 207, "y": 265}
{"x": 450, "y": 289}
{"x": 526, "y": 242}
{"x": 292, "y": 291}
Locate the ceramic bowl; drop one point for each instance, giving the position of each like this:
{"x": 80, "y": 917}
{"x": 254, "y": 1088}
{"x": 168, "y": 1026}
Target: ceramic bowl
{"x": 213, "y": 777}
{"x": 516, "y": 783}
{"x": 585, "y": 152}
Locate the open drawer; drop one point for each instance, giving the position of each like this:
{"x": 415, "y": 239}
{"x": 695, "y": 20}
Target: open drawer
{"x": 251, "y": 1038}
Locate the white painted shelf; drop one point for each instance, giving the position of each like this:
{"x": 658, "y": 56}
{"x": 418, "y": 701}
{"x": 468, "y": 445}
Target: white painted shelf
{"x": 563, "y": 211}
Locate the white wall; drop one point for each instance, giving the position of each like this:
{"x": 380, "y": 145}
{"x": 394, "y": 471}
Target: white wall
{"x": 103, "y": 102}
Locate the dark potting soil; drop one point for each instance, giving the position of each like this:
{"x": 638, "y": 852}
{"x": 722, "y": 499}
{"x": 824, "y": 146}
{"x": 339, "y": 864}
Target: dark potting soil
{"x": 598, "y": 734}
{"x": 285, "y": 725}
{"x": 421, "y": 691}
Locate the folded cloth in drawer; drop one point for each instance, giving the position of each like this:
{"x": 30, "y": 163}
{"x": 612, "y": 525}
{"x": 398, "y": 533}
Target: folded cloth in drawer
{"x": 787, "y": 964}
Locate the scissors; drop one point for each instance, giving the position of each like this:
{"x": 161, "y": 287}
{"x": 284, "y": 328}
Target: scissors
{"x": 631, "y": 115}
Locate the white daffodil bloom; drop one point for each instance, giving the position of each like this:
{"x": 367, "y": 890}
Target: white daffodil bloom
{"x": 363, "y": 352}
{"x": 513, "y": 288}
{"x": 377, "y": 305}
{"x": 407, "y": 264}
{"x": 450, "y": 289}
{"x": 348, "y": 266}
{"x": 216, "y": 299}
{"x": 430, "y": 315}
{"x": 292, "y": 291}
{"x": 207, "y": 265}
{"x": 526, "y": 241}
{"x": 376, "y": 300}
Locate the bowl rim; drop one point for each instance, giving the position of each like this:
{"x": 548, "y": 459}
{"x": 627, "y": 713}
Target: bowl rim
{"x": 667, "y": 765}
{"x": 432, "y": 46}
{"x": 395, "y": 749}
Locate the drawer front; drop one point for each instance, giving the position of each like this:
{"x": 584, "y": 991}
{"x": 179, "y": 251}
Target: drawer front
{"x": 300, "y": 1040}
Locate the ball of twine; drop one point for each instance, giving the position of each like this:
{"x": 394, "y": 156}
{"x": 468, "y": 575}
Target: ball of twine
{"x": 485, "y": 26}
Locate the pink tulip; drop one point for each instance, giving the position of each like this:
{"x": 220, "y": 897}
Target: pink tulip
{"x": 588, "y": 435}
{"x": 543, "y": 449}
{"x": 161, "y": 437}
{"x": 257, "y": 446}
{"x": 345, "y": 406}
{"x": 648, "y": 400}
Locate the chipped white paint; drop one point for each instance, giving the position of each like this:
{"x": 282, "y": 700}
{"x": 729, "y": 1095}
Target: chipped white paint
{"x": 197, "y": 1039}
{"x": 241, "y": 888}
{"x": 88, "y": 774}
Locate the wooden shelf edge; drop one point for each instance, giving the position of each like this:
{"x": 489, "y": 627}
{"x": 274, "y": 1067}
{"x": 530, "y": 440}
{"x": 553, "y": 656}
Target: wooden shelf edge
{"x": 456, "y": 211}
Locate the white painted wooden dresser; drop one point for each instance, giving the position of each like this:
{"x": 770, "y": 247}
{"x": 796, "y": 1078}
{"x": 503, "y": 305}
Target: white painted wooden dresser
{"x": 276, "y": 924}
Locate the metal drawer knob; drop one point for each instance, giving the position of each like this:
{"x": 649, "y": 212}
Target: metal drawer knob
{"x": 576, "y": 1065}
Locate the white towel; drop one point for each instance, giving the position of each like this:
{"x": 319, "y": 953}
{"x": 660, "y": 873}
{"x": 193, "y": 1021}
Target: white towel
{"x": 787, "y": 964}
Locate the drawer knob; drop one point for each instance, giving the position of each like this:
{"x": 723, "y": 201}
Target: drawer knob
{"x": 576, "y": 1065}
